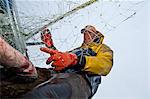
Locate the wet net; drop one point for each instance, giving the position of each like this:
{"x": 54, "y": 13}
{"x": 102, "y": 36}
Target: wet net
{"x": 65, "y": 19}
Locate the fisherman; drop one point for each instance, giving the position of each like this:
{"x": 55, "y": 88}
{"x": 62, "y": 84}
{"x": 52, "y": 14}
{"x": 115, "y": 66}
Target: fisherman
{"x": 77, "y": 73}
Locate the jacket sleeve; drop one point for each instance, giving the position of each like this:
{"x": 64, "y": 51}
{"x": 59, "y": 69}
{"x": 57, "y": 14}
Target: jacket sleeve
{"x": 100, "y": 64}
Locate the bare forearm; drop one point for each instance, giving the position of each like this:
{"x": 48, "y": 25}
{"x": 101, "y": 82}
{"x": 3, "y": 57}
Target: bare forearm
{"x": 9, "y": 56}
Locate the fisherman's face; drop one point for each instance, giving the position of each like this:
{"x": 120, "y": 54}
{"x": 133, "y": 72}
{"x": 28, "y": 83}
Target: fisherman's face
{"x": 88, "y": 36}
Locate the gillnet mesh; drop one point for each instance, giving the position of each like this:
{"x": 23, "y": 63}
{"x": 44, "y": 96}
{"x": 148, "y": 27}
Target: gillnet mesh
{"x": 66, "y": 33}
{"x": 5, "y": 24}
{"x": 9, "y": 25}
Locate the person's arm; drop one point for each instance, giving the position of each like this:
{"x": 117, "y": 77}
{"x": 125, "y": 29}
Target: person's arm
{"x": 101, "y": 63}
{"x": 12, "y": 59}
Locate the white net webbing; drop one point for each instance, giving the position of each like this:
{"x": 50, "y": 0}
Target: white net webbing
{"x": 106, "y": 16}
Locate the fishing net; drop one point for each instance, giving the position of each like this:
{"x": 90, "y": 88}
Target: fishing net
{"x": 65, "y": 19}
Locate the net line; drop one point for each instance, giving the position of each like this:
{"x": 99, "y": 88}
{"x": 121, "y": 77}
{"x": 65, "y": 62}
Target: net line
{"x": 66, "y": 33}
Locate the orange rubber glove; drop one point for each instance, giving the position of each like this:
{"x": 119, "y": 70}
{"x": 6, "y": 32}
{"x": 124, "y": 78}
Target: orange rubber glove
{"x": 60, "y": 60}
{"x": 47, "y": 38}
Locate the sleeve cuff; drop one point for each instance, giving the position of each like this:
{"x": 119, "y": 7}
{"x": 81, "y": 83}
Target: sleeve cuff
{"x": 81, "y": 61}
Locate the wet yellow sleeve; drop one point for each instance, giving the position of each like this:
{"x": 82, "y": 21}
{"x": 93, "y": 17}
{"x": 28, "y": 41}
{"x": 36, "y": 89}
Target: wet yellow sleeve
{"x": 101, "y": 63}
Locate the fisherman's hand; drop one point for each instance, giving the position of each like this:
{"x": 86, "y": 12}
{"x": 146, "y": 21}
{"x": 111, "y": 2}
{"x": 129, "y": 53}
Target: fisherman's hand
{"x": 47, "y": 38}
{"x": 60, "y": 60}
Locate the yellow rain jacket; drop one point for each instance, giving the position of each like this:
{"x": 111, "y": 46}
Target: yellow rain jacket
{"x": 100, "y": 64}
